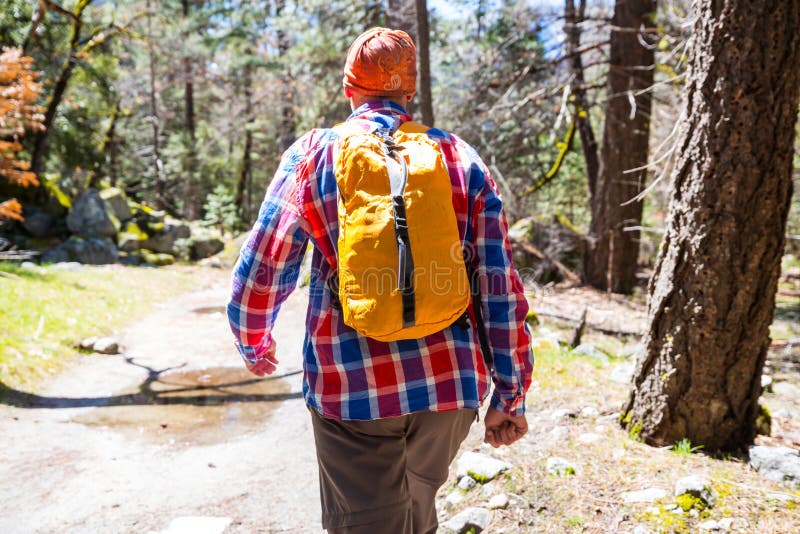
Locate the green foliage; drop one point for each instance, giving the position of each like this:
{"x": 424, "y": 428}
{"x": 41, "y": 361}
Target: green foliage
{"x": 684, "y": 447}
{"x": 221, "y": 210}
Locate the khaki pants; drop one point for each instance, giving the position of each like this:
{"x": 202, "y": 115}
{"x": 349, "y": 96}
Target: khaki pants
{"x": 382, "y": 475}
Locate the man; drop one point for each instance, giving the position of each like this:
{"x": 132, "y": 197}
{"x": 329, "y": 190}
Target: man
{"x": 388, "y": 417}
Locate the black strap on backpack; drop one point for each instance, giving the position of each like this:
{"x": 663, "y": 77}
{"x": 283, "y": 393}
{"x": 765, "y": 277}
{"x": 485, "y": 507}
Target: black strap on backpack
{"x": 477, "y": 311}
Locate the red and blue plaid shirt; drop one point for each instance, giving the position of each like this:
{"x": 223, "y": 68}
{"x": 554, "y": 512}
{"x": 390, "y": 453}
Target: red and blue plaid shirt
{"x": 347, "y": 375}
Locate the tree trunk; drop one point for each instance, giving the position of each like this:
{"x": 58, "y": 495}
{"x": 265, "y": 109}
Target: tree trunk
{"x": 244, "y": 181}
{"x": 424, "y": 96}
{"x": 287, "y": 98}
{"x": 572, "y": 29}
{"x": 402, "y": 15}
{"x": 158, "y": 166}
{"x": 192, "y": 203}
{"x": 712, "y": 294}
{"x": 626, "y": 137}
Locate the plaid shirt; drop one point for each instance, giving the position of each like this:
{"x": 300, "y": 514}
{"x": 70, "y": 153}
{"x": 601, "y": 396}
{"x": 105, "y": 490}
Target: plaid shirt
{"x": 347, "y": 375}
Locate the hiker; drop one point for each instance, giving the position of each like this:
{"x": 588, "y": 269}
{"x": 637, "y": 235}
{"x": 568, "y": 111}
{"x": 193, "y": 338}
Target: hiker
{"x": 408, "y": 232}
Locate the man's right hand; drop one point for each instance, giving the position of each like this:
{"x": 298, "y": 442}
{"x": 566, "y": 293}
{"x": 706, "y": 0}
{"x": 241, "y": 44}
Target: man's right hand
{"x": 503, "y": 429}
{"x": 266, "y": 365}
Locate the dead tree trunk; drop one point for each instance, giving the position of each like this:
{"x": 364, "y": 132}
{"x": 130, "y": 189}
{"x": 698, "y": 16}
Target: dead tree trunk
{"x": 424, "y": 96}
{"x": 626, "y": 137}
{"x": 713, "y": 291}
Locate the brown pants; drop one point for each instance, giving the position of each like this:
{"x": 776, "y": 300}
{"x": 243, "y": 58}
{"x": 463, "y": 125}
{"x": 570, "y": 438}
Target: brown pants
{"x": 382, "y": 475}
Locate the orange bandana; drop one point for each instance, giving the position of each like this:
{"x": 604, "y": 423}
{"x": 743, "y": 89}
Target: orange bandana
{"x": 382, "y": 62}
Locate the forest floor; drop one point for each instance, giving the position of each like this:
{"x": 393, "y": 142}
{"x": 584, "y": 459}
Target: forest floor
{"x": 173, "y": 435}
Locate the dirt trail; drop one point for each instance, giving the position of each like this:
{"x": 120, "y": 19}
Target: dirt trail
{"x": 172, "y": 428}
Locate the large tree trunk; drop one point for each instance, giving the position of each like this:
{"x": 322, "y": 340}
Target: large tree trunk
{"x": 402, "y": 15}
{"x": 612, "y": 254}
{"x": 424, "y": 96}
{"x": 572, "y": 29}
{"x": 287, "y": 82}
{"x": 713, "y": 292}
{"x": 158, "y": 166}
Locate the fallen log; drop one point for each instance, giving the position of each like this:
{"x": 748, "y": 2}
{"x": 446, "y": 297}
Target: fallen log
{"x": 568, "y": 275}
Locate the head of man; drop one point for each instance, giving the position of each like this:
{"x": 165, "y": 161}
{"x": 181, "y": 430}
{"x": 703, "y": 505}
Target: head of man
{"x": 381, "y": 65}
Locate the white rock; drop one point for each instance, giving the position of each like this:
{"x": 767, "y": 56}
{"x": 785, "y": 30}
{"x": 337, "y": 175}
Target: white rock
{"x": 696, "y": 486}
{"x": 561, "y": 413}
{"x": 480, "y": 467}
{"x": 725, "y": 524}
{"x": 708, "y": 525}
{"x": 559, "y": 466}
{"x": 88, "y": 343}
{"x": 197, "y": 525}
{"x": 498, "y": 501}
{"x": 645, "y": 495}
{"x": 559, "y": 433}
{"x": 466, "y": 483}
{"x": 786, "y": 389}
{"x": 453, "y": 499}
{"x": 487, "y": 490}
{"x": 622, "y": 373}
{"x": 641, "y": 529}
{"x": 766, "y": 382}
{"x": 611, "y": 418}
{"x": 589, "y": 438}
{"x": 471, "y": 518}
{"x": 780, "y": 464}
{"x": 106, "y": 345}
{"x": 589, "y": 411}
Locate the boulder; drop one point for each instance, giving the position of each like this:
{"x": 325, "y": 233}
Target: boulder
{"x": 162, "y": 236}
{"x": 90, "y": 216}
{"x": 156, "y": 258}
{"x": 117, "y": 203}
{"x": 38, "y": 223}
{"x": 205, "y": 245}
{"x": 556, "y": 237}
{"x": 92, "y": 250}
{"x": 780, "y": 464}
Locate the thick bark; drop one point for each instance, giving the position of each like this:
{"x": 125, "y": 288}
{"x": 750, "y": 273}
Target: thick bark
{"x": 572, "y": 29}
{"x": 611, "y": 258}
{"x": 713, "y": 291}
{"x": 424, "y": 97}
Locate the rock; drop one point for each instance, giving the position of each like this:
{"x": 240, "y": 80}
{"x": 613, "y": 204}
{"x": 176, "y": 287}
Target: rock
{"x": 38, "y": 223}
{"x": 466, "y": 483}
{"x": 646, "y": 495}
{"x": 93, "y": 250}
{"x": 67, "y": 266}
{"x": 785, "y": 414}
{"x": 559, "y": 466}
{"x": 453, "y": 499}
{"x": 499, "y": 501}
{"x": 588, "y": 438}
{"x": 766, "y": 383}
{"x": 589, "y": 411}
{"x": 480, "y": 467}
{"x": 488, "y": 490}
{"x": 708, "y": 525}
{"x": 471, "y": 518}
{"x": 87, "y": 343}
{"x": 589, "y": 350}
{"x": 163, "y": 238}
{"x": 106, "y": 345}
{"x": 117, "y": 203}
{"x": 786, "y": 389}
{"x": 205, "y": 246}
{"x": 622, "y": 373}
{"x": 143, "y": 214}
{"x": 780, "y": 464}
{"x": 562, "y": 413}
{"x": 153, "y": 258}
{"x": 555, "y": 237}
{"x": 90, "y": 217}
{"x": 559, "y": 433}
{"x": 725, "y": 524}
{"x": 618, "y": 453}
{"x": 30, "y": 266}
{"x": 641, "y": 529}
{"x": 697, "y": 487}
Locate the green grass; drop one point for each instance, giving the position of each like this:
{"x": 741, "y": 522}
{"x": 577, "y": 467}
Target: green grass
{"x": 684, "y": 447}
{"x": 43, "y": 314}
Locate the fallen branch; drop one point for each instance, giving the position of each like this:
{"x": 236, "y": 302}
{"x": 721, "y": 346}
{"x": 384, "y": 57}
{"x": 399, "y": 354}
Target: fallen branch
{"x": 536, "y": 251}
{"x": 596, "y": 328}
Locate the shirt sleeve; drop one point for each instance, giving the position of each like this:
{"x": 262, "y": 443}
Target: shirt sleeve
{"x": 268, "y": 265}
{"x": 503, "y": 299}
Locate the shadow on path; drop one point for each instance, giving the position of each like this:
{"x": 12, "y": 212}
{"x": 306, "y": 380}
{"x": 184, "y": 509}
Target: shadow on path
{"x": 164, "y": 387}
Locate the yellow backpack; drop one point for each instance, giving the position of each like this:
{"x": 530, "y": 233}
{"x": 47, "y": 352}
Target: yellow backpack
{"x": 401, "y": 269}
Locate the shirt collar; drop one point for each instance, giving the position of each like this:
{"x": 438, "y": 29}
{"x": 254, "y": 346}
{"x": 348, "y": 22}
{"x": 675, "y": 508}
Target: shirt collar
{"x": 385, "y": 112}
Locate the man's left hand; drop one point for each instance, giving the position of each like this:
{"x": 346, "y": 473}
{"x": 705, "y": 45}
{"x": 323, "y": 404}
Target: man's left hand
{"x": 266, "y": 365}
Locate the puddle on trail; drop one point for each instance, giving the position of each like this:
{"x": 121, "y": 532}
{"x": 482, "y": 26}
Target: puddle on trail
{"x": 198, "y": 407}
